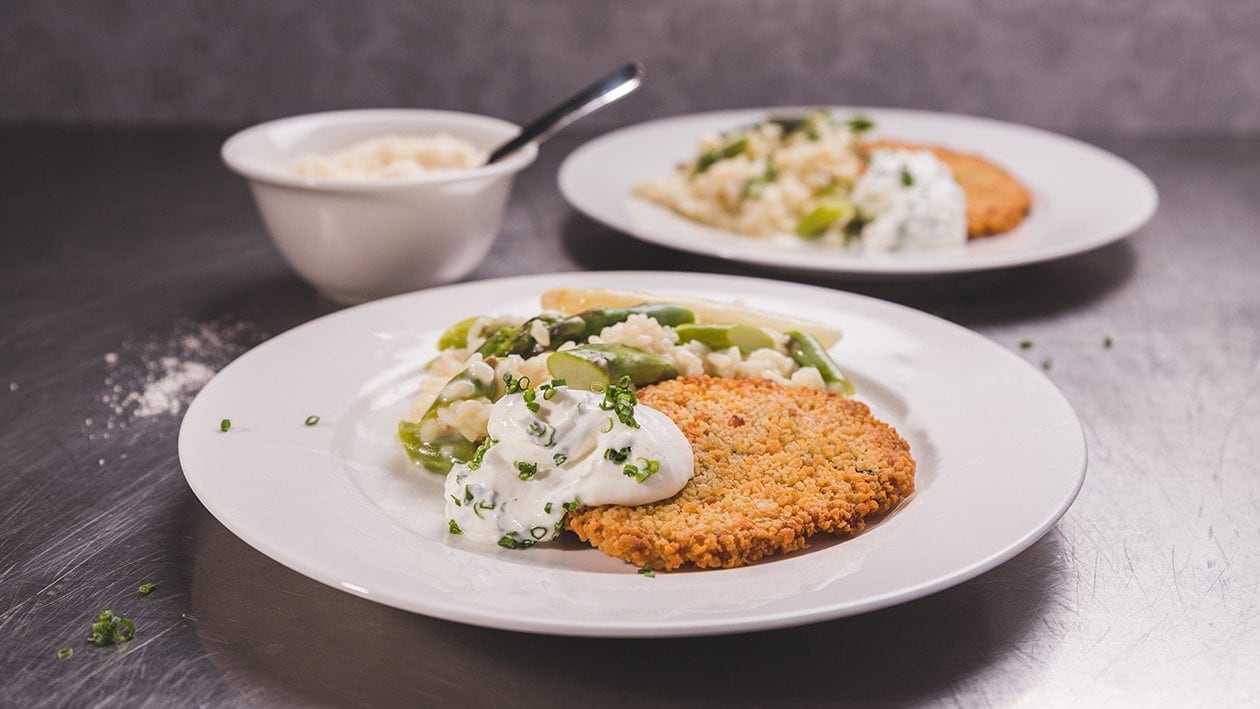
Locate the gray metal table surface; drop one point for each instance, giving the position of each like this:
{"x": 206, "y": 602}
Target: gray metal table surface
{"x": 133, "y": 265}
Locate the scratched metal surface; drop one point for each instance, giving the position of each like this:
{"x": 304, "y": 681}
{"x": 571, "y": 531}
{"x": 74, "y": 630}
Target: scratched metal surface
{"x": 118, "y": 241}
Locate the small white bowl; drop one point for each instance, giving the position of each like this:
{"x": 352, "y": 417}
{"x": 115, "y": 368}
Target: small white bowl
{"x": 360, "y": 239}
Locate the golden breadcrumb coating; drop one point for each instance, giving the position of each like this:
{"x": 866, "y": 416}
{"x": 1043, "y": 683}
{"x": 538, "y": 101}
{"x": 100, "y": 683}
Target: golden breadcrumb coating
{"x": 774, "y": 465}
{"x": 996, "y": 202}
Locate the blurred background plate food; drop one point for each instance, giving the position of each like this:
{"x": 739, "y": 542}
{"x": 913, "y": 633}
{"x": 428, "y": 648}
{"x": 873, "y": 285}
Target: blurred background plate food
{"x": 1083, "y": 196}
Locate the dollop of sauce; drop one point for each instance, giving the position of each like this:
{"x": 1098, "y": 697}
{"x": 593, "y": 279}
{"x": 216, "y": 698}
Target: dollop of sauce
{"x": 913, "y": 200}
{"x": 547, "y": 456}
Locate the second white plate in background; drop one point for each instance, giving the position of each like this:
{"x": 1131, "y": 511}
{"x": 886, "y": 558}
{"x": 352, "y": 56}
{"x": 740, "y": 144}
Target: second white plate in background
{"x": 1083, "y": 197}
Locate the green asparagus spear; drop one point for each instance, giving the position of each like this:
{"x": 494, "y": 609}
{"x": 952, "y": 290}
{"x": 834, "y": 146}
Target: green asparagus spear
{"x": 730, "y": 150}
{"x": 754, "y": 188}
{"x": 516, "y": 340}
{"x": 809, "y": 353}
{"x": 437, "y": 455}
{"x": 723, "y": 336}
{"x": 456, "y": 335}
{"x": 580, "y": 327}
{"x": 601, "y": 365}
{"x": 576, "y": 328}
{"x": 828, "y": 212}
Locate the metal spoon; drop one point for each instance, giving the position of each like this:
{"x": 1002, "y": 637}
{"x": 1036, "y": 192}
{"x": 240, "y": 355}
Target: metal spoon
{"x": 597, "y": 95}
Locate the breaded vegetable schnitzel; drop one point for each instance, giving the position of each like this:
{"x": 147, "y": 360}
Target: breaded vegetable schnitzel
{"x": 996, "y": 202}
{"x": 774, "y": 465}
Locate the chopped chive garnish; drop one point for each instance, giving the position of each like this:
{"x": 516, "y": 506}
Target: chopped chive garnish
{"x": 64, "y": 653}
{"x": 1107, "y": 343}
{"x": 906, "y": 178}
{"x": 531, "y": 400}
{"x": 559, "y": 458}
{"x": 608, "y": 426}
{"x": 1047, "y": 363}
{"x": 146, "y": 588}
{"x": 547, "y": 508}
{"x": 110, "y": 629}
{"x": 570, "y": 506}
{"x": 225, "y": 424}
{"x": 538, "y": 532}
{"x": 312, "y": 420}
{"x": 617, "y": 455}
{"x": 480, "y": 453}
{"x": 454, "y": 528}
{"x": 524, "y": 470}
{"x": 509, "y": 541}
{"x": 1025, "y": 344}
{"x": 513, "y": 385}
{"x": 646, "y": 570}
{"x": 642, "y": 472}
{"x": 620, "y": 399}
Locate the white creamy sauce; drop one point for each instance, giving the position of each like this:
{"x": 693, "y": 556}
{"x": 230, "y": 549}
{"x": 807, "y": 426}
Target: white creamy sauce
{"x": 914, "y": 201}
{"x": 559, "y": 455}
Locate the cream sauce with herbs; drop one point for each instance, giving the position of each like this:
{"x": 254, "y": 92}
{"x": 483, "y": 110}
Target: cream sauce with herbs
{"x": 538, "y": 464}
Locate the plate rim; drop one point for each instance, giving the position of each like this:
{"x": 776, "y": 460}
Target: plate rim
{"x": 572, "y": 193}
{"x": 749, "y": 622}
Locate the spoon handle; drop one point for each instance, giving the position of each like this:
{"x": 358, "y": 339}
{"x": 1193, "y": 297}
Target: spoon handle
{"x": 601, "y": 93}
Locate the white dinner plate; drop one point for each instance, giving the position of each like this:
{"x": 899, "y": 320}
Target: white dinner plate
{"x": 1083, "y": 197}
{"x": 1000, "y": 457}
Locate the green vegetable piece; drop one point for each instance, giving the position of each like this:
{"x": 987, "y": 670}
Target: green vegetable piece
{"x": 65, "y": 653}
{"x": 110, "y": 629}
{"x": 808, "y": 352}
{"x": 721, "y": 336}
{"x": 580, "y": 327}
{"x": 617, "y": 455}
{"x": 461, "y": 387}
{"x": 225, "y": 424}
{"x": 754, "y": 188}
{"x": 860, "y": 124}
{"x": 907, "y": 179}
{"x": 453, "y": 528}
{"x": 601, "y": 365}
{"x": 456, "y": 336}
{"x": 475, "y": 463}
{"x": 815, "y": 120}
{"x": 646, "y": 570}
{"x": 524, "y": 470}
{"x": 823, "y": 216}
{"x": 437, "y": 455}
{"x": 512, "y": 541}
{"x": 146, "y": 588}
{"x": 312, "y": 420}
{"x": 720, "y": 153}
{"x": 575, "y": 328}
{"x": 620, "y": 399}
